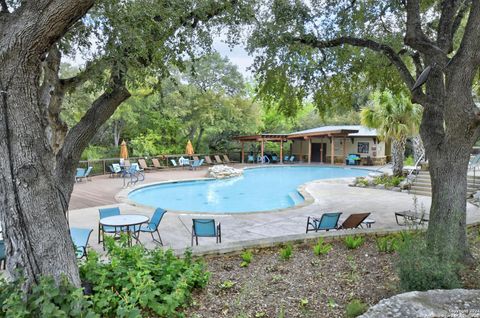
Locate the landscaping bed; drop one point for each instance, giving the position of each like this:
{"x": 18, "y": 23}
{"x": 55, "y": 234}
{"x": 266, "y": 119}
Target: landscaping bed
{"x": 306, "y": 285}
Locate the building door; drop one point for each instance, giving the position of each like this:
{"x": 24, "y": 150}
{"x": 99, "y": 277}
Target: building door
{"x": 319, "y": 150}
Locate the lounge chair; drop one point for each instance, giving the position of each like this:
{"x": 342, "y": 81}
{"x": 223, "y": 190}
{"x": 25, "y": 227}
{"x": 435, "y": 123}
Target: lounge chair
{"x": 3, "y": 258}
{"x": 126, "y": 163}
{"x": 174, "y": 163}
{"x": 80, "y": 240}
{"x": 286, "y": 159}
{"x": 352, "y": 159}
{"x": 156, "y": 163}
{"x": 274, "y": 158}
{"x": 250, "y": 159}
{"x": 208, "y": 160}
{"x": 196, "y": 164}
{"x": 152, "y": 226}
{"x": 328, "y": 221}
{"x": 206, "y": 228}
{"x": 82, "y": 173}
{"x": 105, "y": 213}
{"x": 195, "y": 158}
{"x": 227, "y": 160}
{"x": 218, "y": 160}
{"x": 291, "y": 159}
{"x": 411, "y": 217}
{"x": 353, "y": 221}
{"x": 143, "y": 164}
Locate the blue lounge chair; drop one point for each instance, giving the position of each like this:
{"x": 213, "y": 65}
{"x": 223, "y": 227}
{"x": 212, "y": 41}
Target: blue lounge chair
{"x": 206, "y": 228}
{"x": 274, "y": 158}
{"x": 105, "y": 213}
{"x": 82, "y": 173}
{"x": 250, "y": 159}
{"x": 352, "y": 159}
{"x": 328, "y": 221}
{"x": 196, "y": 164}
{"x": 80, "y": 239}
{"x": 152, "y": 226}
{"x": 3, "y": 259}
{"x": 174, "y": 163}
{"x": 286, "y": 159}
{"x": 292, "y": 159}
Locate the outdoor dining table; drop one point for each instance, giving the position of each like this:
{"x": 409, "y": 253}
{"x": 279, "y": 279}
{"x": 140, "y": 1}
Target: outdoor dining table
{"x": 128, "y": 223}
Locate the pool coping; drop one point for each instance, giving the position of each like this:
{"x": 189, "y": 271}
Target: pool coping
{"x": 122, "y": 196}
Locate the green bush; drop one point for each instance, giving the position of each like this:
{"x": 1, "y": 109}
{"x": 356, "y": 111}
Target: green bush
{"x": 44, "y": 300}
{"x": 135, "y": 281}
{"x": 321, "y": 248}
{"x": 388, "y": 244}
{"x": 247, "y": 257}
{"x": 389, "y": 181}
{"x": 353, "y": 242}
{"x": 420, "y": 269}
{"x": 355, "y": 308}
{"x": 408, "y": 161}
{"x": 286, "y": 252}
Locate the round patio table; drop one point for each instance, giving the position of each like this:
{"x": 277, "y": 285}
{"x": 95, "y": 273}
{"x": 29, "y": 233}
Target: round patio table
{"x": 131, "y": 222}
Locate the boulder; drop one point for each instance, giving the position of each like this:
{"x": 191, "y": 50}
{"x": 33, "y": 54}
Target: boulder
{"x": 432, "y": 303}
{"x": 396, "y": 189}
{"x": 222, "y": 171}
{"x": 405, "y": 184}
{"x": 380, "y": 186}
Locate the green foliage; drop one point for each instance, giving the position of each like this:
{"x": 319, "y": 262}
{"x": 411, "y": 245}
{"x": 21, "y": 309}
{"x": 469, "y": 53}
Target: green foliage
{"x": 247, "y": 257}
{"x": 44, "y": 300}
{"x": 303, "y": 302}
{"x": 134, "y": 280}
{"x": 389, "y": 181}
{"x": 352, "y": 242}
{"x": 420, "y": 269}
{"x": 227, "y": 284}
{"x": 362, "y": 181}
{"x": 321, "y": 248}
{"x": 388, "y": 244}
{"x": 286, "y": 252}
{"x": 408, "y": 161}
{"x": 355, "y": 308}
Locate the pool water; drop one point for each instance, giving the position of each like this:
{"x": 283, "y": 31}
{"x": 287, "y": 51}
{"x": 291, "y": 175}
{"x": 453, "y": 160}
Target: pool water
{"x": 259, "y": 189}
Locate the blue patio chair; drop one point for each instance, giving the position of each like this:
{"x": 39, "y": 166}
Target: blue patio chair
{"x": 82, "y": 173}
{"x": 250, "y": 159}
{"x": 152, "y": 226}
{"x": 80, "y": 239}
{"x": 3, "y": 258}
{"x": 174, "y": 163}
{"x": 274, "y": 158}
{"x": 286, "y": 159}
{"x": 328, "y": 221}
{"x": 292, "y": 159}
{"x": 105, "y": 213}
{"x": 352, "y": 159}
{"x": 206, "y": 228}
{"x": 196, "y": 164}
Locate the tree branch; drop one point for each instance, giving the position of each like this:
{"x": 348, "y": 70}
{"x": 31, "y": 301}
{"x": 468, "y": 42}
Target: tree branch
{"x": 414, "y": 36}
{"x": 469, "y": 50}
{"x": 93, "y": 67}
{"x": 4, "y": 6}
{"x": 445, "y": 25}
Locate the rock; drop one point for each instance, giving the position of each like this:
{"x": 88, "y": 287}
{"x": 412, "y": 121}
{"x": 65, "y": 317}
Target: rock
{"x": 222, "y": 171}
{"x": 405, "y": 184}
{"x": 361, "y": 185}
{"x": 380, "y": 186}
{"x": 396, "y": 189}
{"x": 476, "y": 196}
{"x": 404, "y": 191}
{"x": 432, "y": 303}
{"x": 376, "y": 174}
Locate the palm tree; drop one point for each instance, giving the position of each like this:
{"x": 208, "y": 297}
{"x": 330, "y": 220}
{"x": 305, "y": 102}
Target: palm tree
{"x": 395, "y": 118}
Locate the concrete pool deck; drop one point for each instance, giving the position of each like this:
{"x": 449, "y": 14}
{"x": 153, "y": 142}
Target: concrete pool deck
{"x": 246, "y": 229}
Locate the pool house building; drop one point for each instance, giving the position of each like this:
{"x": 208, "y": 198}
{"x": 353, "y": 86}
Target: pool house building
{"x": 326, "y": 144}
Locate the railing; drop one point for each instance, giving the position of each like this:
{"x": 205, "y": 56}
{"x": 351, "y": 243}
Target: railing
{"x": 416, "y": 165}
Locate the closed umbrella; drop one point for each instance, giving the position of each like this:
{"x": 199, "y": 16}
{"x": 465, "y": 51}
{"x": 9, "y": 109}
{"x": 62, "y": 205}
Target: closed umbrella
{"x": 123, "y": 150}
{"x": 189, "y": 149}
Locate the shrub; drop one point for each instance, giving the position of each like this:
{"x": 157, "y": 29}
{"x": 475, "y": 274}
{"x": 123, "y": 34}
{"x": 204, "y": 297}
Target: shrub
{"x": 389, "y": 181}
{"x": 388, "y": 244}
{"x": 246, "y": 258}
{"x": 44, "y": 300}
{"x": 355, "y": 308}
{"x": 286, "y": 252}
{"x": 353, "y": 242}
{"x": 134, "y": 280}
{"x": 408, "y": 161}
{"x": 321, "y": 248}
{"x": 420, "y": 269}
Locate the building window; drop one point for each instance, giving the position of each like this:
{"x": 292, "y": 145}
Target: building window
{"x": 363, "y": 147}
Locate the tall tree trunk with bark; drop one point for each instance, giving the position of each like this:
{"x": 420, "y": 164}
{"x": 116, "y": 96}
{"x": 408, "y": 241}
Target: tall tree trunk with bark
{"x": 398, "y": 154}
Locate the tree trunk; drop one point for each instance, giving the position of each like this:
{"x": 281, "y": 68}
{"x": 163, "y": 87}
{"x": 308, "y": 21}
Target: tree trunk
{"x": 199, "y": 139}
{"x": 33, "y": 219}
{"x": 398, "y": 153}
{"x": 418, "y": 149}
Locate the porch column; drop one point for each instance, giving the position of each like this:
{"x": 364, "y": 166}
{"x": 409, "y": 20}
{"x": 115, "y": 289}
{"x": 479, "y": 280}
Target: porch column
{"x": 281, "y": 150}
{"x": 332, "y": 151}
{"x": 261, "y": 149}
{"x": 321, "y": 151}
{"x": 344, "y": 147}
{"x": 309, "y": 150}
{"x": 243, "y": 153}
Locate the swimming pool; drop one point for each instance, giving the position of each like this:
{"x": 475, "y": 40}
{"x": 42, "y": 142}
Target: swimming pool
{"x": 259, "y": 189}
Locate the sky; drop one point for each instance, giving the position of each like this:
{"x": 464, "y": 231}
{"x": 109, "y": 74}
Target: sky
{"x": 238, "y": 56}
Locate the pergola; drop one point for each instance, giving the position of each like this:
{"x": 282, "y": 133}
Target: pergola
{"x": 262, "y": 138}
{"x": 321, "y": 132}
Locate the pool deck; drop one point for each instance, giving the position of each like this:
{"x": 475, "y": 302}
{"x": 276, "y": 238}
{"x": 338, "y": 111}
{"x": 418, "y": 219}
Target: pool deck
{"x": 245, "y": 229}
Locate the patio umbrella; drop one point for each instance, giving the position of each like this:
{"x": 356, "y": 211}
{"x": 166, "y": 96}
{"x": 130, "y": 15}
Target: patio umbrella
{"x": 189, "y": 149}
{"x": 123, "y": 150}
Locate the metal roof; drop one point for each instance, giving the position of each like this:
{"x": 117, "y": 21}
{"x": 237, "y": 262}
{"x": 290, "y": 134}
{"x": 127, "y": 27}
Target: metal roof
{"x": 354, "y": 130}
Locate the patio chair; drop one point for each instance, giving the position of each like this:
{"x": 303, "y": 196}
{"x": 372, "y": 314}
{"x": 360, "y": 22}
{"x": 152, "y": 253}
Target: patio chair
{"x": 80, "y": 239}
{"x": 274, "y": 158}
{"x": 206, "y": 228}
{"x": 143, "y": 164}
{"x": 82, "y": 173}
{"x": 152, "y": 226}
{"x": 156, "y": 163}
{"x": 208, "y": 160}
{"x": 411, "y": 217}
{"x": 105, "y": 213}
{"x": 226, "y": 159}
{"x": 174, "y": 163}
{"x": 250, "y": 159}
{"x": 352, "y": 159}
{"x": 218, "y": 160}
{"x": 291, "y": 159}
{"x": 196, "y": 164}
{"x": 286, "y": 159}
{"x": 3, "y": 258}
{"x": 328, "y": 221}
{"x": 353, "y": 221}
{"x": 195, "y": 158}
